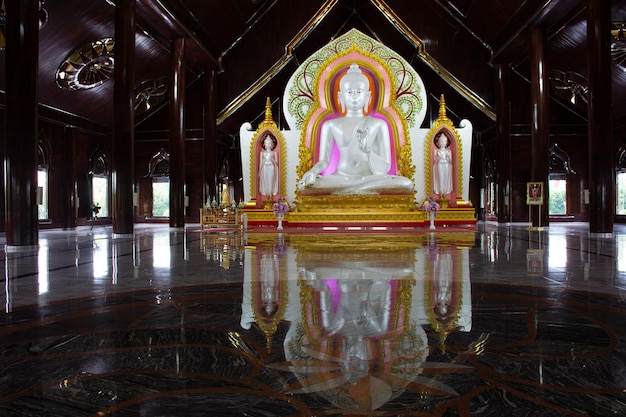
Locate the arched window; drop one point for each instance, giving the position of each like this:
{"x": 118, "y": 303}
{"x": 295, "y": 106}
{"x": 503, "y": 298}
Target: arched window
{"x": 620, "y": 185}
{"x": 159, "y": 172}
{"x": 559, "y": 171}
{"x": 490, "y": 195}
{"x": 100, "y": 190}
{"x": 43, "y": 170}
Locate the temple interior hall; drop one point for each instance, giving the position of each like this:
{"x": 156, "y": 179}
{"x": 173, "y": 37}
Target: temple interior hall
{"x": 176, "y": 323}
{"x": 316, "y": 208}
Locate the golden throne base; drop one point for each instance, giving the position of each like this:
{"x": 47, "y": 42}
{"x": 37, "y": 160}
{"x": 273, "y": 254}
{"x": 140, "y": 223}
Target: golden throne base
{"x": 362, "y": 211}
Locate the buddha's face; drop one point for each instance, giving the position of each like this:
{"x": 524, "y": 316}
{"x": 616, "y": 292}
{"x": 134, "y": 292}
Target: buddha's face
{"x": 355, "y": 93}
{"x": 442, "y": 141}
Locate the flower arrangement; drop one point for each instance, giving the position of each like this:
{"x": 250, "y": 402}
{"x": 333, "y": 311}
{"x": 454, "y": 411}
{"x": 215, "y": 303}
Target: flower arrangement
{"x": 431, "y": 205}
{"x": 280, "y": 207}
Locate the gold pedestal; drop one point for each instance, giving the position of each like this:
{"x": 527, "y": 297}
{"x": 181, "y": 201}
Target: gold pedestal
{"x": 361, "y": 211}
{"x": 355, "y": 202}
{"x": 356, "y": 211}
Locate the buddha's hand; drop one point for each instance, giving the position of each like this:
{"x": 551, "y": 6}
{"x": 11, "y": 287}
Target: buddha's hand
{"x": 306, "y": 180}
{"x": 362, "y": 135}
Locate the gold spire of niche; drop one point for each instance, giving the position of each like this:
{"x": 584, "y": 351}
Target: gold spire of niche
{"x": 442, "y": 108}
{"x": 268, "y": 111}
{"x": 268, "y": 121}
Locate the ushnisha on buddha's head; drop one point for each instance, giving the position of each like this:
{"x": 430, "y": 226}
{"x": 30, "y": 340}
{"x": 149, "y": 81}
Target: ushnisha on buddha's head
{"x": 354, "y": 92}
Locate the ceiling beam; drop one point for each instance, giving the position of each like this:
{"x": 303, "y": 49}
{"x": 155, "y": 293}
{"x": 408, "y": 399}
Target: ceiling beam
{"x": 178, "y": 17}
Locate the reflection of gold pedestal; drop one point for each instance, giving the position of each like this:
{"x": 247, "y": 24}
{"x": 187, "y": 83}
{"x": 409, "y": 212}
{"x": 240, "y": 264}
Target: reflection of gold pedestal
{"x": 352, "y": 218}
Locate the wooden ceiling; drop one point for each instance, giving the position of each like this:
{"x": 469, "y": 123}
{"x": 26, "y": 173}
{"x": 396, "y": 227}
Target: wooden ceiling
{"x": 253, "y": 46}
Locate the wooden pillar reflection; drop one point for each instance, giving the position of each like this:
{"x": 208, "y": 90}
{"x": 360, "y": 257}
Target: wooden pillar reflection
{"x": 71, "y": 183}
{"x": 540, "y": 128}
{"x": 177, "y": 134}
{"x": 124, "y": 119}
{"x": 22, "y": 61}
{"x": 210, "y": 140}
{"x": 600, "y": 141}
{"x": 503, "y": 141}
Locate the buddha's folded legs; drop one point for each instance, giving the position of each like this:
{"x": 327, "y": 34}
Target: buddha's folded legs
{"x": 371, "y": 184}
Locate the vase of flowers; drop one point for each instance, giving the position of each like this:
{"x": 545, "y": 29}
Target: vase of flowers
{"x": 431, "y": 207}
{"x": 280, "y": 209}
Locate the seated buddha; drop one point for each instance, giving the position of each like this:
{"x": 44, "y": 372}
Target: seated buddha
{"x": 364, "y": 145}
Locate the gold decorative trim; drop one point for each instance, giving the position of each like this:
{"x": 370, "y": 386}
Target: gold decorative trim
{"x": 338, "y": 203}
{"x": 461, "y": 88}
{"x": 234, "y": 105}
{"x": 358, "y": 217}
{"x": 456, "y": 215}
{"x": 382, "y": 216}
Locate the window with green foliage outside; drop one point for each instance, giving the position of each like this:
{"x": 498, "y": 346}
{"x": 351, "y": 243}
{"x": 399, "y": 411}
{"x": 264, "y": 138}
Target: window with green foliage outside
{"x": 160, "y": 196}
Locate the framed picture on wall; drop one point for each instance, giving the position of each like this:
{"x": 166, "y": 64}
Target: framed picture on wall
{"x": 534, "y": 193}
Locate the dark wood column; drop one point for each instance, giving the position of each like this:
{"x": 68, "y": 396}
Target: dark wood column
{"x": 210, "y": 140}
{"x": 540, "y": 128}
{"x": 600, "y": 141}
{"x": 177, "y": 134}
{"x": 124, "y": 118}
{"x": 503, "y": 142}
{"x": 71, "y": 183}
{"x": 22, "y": 62}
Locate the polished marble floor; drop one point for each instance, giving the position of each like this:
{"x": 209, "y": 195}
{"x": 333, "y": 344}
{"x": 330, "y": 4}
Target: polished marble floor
{"x": 488, "y": 321}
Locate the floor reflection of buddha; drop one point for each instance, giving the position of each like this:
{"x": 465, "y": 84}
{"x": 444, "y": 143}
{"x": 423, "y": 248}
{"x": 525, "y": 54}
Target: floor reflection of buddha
{"x": 443, "y": 284}
{"x": 364, "y": 146}
{"x": 270, "y": 283}
{"x": 362, "y": 310}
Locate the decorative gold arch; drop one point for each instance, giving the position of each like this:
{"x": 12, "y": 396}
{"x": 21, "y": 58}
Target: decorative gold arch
{"x": 443, "y": 124}
{"x": 383, "y": 103}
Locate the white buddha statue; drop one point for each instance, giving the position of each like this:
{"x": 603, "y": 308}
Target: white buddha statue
{"x": 268, "y": 169}
{"x": 364, "y": 145}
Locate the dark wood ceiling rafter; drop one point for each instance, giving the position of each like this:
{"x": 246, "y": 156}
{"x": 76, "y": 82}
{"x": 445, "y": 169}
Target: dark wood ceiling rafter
{"x": 456, "y": 84}
{"x": 460, "y": 22}
{"x": 360, "y": 18}
{"x": 250, "y": 25}
{"x": 174, "y": 13}
{"x": 575, "y": 15}
{"x": 286, "y": 58}
{"x": 512, "y": 43}
{"x": 149, "y": 14}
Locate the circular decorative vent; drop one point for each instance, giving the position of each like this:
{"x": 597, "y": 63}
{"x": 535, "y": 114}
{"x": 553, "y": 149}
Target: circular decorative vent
{"x": 88, "y": 66}
{"x": 570, "y": 85}
{"x": 149, "y": 94}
